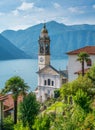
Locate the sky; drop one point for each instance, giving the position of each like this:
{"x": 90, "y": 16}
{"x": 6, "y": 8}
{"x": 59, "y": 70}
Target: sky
{"x": 21, "y": 14}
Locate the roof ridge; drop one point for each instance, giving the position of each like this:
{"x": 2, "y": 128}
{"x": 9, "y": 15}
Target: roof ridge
{"x": 47, "y": 67}
{"x": 87, "y": 49}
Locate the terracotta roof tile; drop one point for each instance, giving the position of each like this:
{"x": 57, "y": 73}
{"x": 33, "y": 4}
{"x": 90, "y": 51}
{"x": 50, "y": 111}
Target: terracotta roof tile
{"x": 8, "y": 102}
{"x": 87, "y": 49}
{"x": 80, "y": 71}
{"x": 2, "y": 98}
{"x": 8, "y": 109}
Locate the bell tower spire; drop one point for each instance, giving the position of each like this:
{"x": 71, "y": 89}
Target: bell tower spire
{"x": 44, "y": 48}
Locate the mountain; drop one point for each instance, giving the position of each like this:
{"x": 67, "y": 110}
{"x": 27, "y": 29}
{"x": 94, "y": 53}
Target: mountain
{"x": 63, "y": 38}
{"x": 9, "y": 51}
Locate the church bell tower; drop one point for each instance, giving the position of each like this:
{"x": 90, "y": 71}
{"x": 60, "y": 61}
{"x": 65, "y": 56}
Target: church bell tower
{"x": 44, "y": 48}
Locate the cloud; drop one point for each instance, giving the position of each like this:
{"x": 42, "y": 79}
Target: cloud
{"x": 56, "y": 5}
{"x": 15, "y": 12}
{"x": 37, "y": 9}
{"x": 24, "y": 13}
{"x": 26, "y": 6}
{"x": 75, "y": 10}
{"x": 93, "y": 6}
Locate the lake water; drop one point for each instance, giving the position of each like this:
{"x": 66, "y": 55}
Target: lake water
{"x": 26, "y": 69}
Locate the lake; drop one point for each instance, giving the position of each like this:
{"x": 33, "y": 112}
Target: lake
{"x": 26, "y": 69}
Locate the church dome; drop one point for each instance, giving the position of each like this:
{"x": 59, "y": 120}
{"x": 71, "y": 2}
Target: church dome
{"x": 44, "y": 30}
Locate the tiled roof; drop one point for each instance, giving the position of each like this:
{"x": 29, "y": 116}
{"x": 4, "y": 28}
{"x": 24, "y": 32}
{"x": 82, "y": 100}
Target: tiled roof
{"x": 80, "y": 71}
{"x": 8, "y": 109}
{"x": 2, "y": 98}
{"x": 87, "y": 49}
{"x": 8, "y": 101}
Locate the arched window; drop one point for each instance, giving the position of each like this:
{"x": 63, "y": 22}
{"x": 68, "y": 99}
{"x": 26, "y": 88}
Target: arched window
{"x": 89, "y": 62}
{"x": 45, "y": 82}
{"x": 48, "y": 81}
{"x": 52, "y": 83}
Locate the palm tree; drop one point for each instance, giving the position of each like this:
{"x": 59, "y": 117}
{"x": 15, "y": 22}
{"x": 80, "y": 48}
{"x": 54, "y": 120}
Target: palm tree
{"x": 16, "y": 86}
{"x": 83, "y": 57}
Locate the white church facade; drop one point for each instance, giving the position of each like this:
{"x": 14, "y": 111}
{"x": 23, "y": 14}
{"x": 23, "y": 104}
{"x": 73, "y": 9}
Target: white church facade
{"x": 49, "y": 78}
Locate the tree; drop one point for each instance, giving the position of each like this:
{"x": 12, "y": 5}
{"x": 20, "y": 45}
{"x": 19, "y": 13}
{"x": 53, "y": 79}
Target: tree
{"x": 83, "y": 100}
{"x": 83, "y": 57}
{"x": 29, "y": 108}
{"x": 82, "y": 82}
{"x": 91, "y": 74}
{"x": 16, "y": 86}
{"x": 56, "y": 93}
{"x": 42, "y": 122}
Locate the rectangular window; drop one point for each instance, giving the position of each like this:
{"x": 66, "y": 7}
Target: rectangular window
{"x": 89, "y": 62}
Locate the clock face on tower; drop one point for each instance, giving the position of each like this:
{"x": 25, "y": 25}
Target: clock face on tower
{"x": 41, "y": 59}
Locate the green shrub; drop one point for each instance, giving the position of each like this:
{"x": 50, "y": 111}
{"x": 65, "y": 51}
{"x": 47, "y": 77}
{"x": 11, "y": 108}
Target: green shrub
{"x": 56, "y": 93}
{"x": 8, "y": 123}
{"x": 19, "y": 126}
{"x": 42, "y": 123}
{"x": 83, "y": 100}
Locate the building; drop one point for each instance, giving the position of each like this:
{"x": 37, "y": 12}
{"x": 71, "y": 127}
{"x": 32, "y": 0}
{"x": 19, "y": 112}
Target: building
{"x": 49, "y": 78}
{"x": 74, "y": 66}
{"x": 7, "y": 105}
{"x": 2, "y": 99}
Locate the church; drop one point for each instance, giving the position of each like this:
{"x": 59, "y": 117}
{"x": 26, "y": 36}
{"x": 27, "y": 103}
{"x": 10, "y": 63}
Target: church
{"x": 49, "y": 79}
